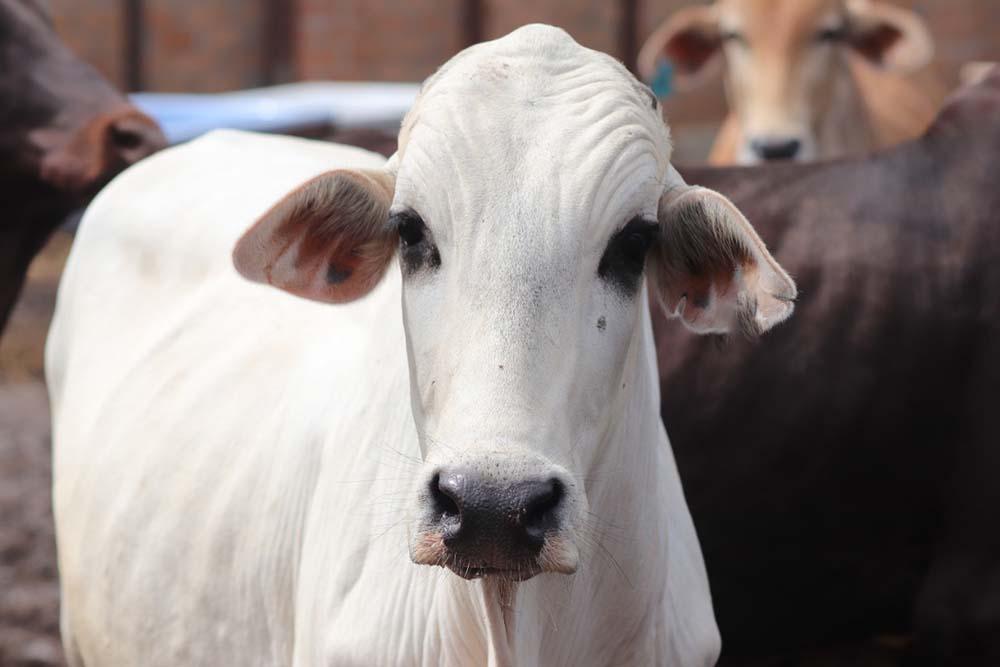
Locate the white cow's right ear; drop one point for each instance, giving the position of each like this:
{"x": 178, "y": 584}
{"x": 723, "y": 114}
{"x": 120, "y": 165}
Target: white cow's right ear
{"x": 691, "y": 41}
{"x": 328, "y": 240}
{"x": 711, "y": 269}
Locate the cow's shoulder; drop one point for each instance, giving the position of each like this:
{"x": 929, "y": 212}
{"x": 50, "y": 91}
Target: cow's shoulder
{"x": 153, "y": 254}
{"x": 229, "y": 176}
{"x": 176, "y": 216}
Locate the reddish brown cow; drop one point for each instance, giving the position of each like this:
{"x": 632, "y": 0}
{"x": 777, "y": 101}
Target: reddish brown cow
{"x": 805, "y": 79}
{"x": 64, "y": 132}
{"x": 844, "y": 474}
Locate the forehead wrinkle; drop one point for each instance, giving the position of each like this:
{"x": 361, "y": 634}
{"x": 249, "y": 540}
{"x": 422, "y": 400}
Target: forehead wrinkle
{"x": 618, "y": 196}
{"x": 505, "y": 172}
{"x": 591, "y": 91}
{"x": 608, "y": 150}
{"x": 533, "y": 138}
{"x": 535, "y": 67}
{"x": 436, "y": 179}
{"x": 547, "y": 61}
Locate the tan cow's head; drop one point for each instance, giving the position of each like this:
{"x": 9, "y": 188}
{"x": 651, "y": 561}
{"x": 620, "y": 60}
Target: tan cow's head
{"x": 786, "y": 62}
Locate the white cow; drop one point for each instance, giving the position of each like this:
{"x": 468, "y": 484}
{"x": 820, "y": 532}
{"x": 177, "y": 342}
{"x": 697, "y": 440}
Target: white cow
{"x": 243, "y": 477}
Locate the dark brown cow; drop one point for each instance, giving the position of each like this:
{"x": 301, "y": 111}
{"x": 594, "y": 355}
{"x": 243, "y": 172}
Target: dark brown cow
{"x": 844, "y": 473}
{"x": 64, "y": 132}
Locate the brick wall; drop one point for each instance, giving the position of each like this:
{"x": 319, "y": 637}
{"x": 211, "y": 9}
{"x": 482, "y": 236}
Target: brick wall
{"x": 202, "y": 45}
{"x": 379, "y": 40}
{"x": 392, "y": 40}
{"x": 593, "y": 23}
{"x": 94, "y": 30}
{"x": 212, "y": 45}
{"x": 220, "y": 44}
{"x": 964, "y": 30}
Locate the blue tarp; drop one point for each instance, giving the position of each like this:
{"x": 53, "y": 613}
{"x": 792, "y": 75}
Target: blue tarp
{"x": 284, "y": 108}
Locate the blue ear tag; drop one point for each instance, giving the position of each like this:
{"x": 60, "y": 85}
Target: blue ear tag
{"x": 663, "y": 79}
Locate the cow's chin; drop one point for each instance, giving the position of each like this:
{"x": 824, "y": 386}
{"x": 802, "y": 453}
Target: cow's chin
{"x": 515, "y": 572}
{"x": 558, "y": 555}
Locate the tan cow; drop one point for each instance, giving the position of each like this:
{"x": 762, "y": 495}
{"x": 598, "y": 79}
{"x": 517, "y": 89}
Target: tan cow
{"x": 806, "y": 79}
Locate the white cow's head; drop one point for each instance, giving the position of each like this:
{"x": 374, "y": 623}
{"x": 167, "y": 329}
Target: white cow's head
{"x": 531, "y": 196}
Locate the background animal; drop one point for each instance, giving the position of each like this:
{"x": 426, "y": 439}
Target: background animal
{"x": 490, "y": 407}
{"x": 805, "y": 79}
{"x": 64, "y": 132}
{"x": 842, "y": 473}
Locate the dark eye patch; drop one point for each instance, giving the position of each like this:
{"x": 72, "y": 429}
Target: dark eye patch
{"x": 416, "y": 247}
{"x": 624, "y": 258}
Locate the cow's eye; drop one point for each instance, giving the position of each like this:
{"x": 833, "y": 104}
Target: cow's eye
{"x": 733, "y": 36}
{"x": 416, "y": 247}
{"x": 625, "y": 257}
{"x": 410, "y": 227}
{"x": 831, "y": 34}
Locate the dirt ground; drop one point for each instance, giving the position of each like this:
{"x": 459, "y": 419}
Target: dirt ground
{"x": 29, "y": 596}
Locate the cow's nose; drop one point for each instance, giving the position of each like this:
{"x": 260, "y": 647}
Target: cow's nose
{"x": 776, "y": 149}
{"x": 490, "y": 522}
{"x": 91, "y": 154}
{"x": 132, "y": 135}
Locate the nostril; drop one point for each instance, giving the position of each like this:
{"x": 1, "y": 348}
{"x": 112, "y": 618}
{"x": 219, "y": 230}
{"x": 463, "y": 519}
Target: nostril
{"x": 790, "y": 149}
{"x": 125, "y": 138}
{"x": 776, "y": 149}
{"x": 539, "y": 511}
{"x": 443, "y": 498}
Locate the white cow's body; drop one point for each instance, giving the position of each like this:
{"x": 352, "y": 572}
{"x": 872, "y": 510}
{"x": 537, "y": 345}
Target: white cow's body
{"x": 247, "y": 478}
{"x": 231, "y": 462}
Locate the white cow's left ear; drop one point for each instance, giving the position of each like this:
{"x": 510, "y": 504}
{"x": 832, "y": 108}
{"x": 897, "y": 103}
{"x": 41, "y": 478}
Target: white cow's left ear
{"x": 328, "y": 240}
{"x": 710, "y": 268}
{"x": 889, "y": 36}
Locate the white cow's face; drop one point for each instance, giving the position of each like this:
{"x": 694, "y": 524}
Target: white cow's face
{"x": 529, "y": 194}
{"x": 524, "y": 223}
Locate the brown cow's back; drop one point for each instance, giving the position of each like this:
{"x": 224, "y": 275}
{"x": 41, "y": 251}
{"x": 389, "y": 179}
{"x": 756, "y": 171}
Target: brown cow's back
{"x": 842, "y": 473}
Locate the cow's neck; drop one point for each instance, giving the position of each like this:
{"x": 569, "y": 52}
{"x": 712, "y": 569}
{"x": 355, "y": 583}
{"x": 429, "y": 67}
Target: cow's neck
{"x": 627, "y": 484}
{"x": 843, "y": 127}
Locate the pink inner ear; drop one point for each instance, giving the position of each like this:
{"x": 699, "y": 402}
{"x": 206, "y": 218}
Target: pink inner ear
{"x": 690, "y": 49}
{"x": 697, "y": 295}
{"x": 326, "y": 241}
{"x": 874, "y": 44}
{"x": 706, "y": 303}
{"x": 713, "y": 270}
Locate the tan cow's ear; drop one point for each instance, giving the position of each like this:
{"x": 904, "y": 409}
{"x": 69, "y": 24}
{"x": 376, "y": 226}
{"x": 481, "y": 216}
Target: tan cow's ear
{"x": 889, "y": 36}
{"x": 690, "y": 40}
{"x": 710, "y": 269}
{"x": 328, "y": 240}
